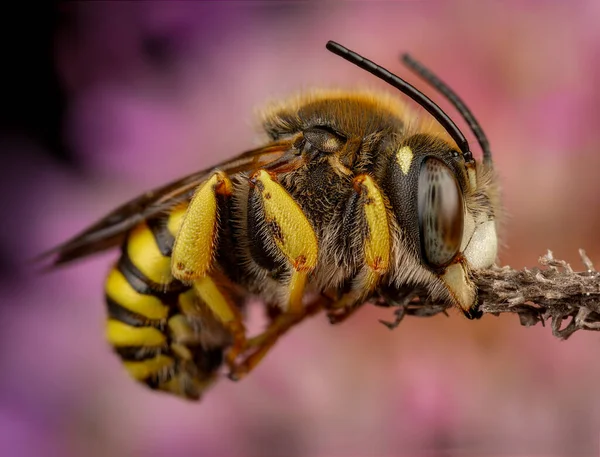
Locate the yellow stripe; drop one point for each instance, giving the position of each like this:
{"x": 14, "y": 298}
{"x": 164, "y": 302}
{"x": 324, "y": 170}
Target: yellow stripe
{"x": 121, "y": 292}
{"x": 188, "y": 303}
{"x": 145, "y": 255}
{"x": 186, "y": 386}
{"x": 120, "y": 334}
{"x": 176, "y": 384}
{"x": 181, "y": 351}
{"x": 146, "y": 368}
{"x": 180, "y": 328}
{"x": 176, "y": 219}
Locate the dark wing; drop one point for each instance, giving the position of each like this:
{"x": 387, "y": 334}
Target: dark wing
{"x": 110, "y": 231}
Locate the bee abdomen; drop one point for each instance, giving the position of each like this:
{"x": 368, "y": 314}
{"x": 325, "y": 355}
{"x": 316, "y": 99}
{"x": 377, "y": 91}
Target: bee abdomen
{"x": 156, "y": 341}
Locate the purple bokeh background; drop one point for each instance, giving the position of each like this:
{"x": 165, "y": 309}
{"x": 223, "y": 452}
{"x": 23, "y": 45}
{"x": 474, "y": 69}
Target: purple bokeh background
{"x": 158, "y": 89}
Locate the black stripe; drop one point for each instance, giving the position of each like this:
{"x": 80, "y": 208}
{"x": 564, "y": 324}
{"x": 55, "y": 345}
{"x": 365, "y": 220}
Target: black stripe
{"x": 208, "y": 360}
{"x": 167, "y": 293}
{"x": 164, "y": 239}
{"x": 119, "y": 312}
{"x": 154, "y": 381}
{"x": 139, "y": 353}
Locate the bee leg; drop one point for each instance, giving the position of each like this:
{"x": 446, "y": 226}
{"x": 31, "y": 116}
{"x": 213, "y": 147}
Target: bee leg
{"x": 226, "y": 312}
{"x": 196, "y": 366}
{"x": 340, "y": 315}
{"x": 282, "y": 235}
{"x": 371, "y": 215}
{"x": 194, "y": 252}
{"x": 261, "y": 344}
{"x": 285, "y": 236}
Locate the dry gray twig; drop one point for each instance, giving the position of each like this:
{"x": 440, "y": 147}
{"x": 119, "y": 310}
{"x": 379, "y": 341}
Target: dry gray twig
{"x": 536, "y": 294}
{"x": 555, "y": 291}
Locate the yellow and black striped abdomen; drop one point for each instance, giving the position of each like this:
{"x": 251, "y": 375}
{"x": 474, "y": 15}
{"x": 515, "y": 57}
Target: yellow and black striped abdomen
{"x": 164, "y": 336}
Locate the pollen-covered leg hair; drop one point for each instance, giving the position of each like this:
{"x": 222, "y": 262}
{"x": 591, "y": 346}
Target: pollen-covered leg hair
{"x": 282, "y": 240}
{"x": 367, "y": 207}
{"x": 194, "y": 253}
{"x": 194, "y": 248}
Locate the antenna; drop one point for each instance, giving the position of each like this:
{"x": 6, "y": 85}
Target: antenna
{"x": 409, "y": 90}
{"x": 447, "y": 92}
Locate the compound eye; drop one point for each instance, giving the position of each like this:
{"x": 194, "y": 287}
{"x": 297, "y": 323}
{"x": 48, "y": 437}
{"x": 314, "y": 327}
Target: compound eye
{"x": 441, "y": 213}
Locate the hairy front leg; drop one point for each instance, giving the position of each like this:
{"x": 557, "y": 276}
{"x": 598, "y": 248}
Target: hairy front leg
{"x": 367, "y": 206}
{"x": 284, "y": 236}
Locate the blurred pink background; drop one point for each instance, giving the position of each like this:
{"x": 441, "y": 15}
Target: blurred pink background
{"x": 158, "y": 89}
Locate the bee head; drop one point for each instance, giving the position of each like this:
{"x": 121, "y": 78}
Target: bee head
{"x": 445, "y": 209}
{"x": 443, "y": 199}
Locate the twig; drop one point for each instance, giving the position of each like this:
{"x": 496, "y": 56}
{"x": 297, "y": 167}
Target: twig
{"x": 537, "y": 294}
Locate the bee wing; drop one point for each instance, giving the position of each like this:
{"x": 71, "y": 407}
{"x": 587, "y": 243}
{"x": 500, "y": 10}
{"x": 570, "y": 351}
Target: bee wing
{"x": 110, "y": 231}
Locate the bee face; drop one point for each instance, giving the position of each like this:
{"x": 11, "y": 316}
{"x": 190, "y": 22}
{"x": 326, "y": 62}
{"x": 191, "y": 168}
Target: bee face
{"x": 351, "y": 198}
{"x": 446, "y": 210}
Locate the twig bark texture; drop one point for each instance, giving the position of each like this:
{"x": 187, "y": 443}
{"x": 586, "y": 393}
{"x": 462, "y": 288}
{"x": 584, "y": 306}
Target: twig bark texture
{"x": 555, "y": 292}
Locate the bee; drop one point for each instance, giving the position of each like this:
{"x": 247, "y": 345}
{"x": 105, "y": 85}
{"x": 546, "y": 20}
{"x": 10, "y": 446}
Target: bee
{"x": 352, "y": 199}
